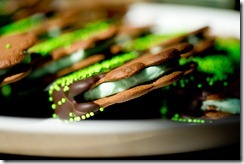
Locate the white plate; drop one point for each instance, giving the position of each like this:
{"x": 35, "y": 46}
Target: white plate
{"x": 97, "y": 138}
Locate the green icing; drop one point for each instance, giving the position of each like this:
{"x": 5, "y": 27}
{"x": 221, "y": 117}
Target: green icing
{"x": 110, "y": 88}
{"x": 66, "y": 39}
{"x": 22, "y": 25}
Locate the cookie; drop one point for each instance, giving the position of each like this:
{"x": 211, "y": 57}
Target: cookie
{"x": 81, "y": 64}
{"x": 213, "y": 89}
{"x": 81, "y": 98}
{"x": 14, "y": 59}
{"x": 154, "y": 43}
{"x": 62, "y": 52}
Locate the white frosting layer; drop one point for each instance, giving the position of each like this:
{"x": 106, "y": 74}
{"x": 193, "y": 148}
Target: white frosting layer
{"x": 229, "y": 105}
{"x": 110, "y": 88}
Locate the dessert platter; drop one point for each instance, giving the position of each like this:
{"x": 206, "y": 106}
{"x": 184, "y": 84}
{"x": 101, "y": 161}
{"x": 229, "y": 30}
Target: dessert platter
{"x": 109, "y": 80}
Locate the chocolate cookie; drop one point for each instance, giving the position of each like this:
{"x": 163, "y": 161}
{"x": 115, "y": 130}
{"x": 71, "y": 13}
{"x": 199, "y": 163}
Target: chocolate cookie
{"x": 61, "y": 52}
{"x": 14, "y": 59}
{"x": 80, "y": 99}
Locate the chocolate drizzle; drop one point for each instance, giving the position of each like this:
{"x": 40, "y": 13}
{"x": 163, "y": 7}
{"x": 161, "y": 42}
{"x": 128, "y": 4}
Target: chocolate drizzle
{"x": 73, "y": 102}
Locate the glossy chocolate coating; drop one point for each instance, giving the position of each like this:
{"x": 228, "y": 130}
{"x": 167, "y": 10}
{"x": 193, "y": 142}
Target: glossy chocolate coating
{"x": 79, "y": 87}
{"x": 74, "y": 102}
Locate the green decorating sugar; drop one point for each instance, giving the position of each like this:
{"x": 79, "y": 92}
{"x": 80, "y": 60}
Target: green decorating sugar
{"x": 23, "y": 25}
{"x": 8, "y": 46}
{"x": 232, "y": 46}
{"x": 219, "y": 66}
{"x": 66, "y": 39}
{"x": 147, "y": 41}
{"x": 177, "y": 118}
{"x": 6, "y": 90}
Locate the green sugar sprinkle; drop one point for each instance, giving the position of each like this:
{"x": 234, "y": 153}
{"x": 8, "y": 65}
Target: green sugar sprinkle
{"x": 145, "y": 42}
{"x": 232, "y": 46}
{"x": 104, "y": 66}
{"x": 6, "y": 90}
{"x": 22, "y": 25}
{"x": 218, "y": 66}
{"x": 177, "y": 118}
{"x": 66, "y": 39}
{"x": 8, "y": 46}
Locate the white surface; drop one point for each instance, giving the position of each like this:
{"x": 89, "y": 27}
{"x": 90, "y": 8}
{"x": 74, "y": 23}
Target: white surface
{"x": 48, "y": 137}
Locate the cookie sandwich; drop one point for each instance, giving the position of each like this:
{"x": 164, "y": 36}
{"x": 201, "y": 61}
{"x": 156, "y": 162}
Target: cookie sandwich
{"x": 59, "y": 53}
{"x": 14, "y": 58}
{"x": 80, "y": 95}
{"x": 213, "y": 89}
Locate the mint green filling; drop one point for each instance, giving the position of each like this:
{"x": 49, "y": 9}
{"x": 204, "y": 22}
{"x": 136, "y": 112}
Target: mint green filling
{"x": 110, "y": 88}
{"x": 44, "y": 48}
{"x": 229, "y": 105}
{"x": 23, "y": 25}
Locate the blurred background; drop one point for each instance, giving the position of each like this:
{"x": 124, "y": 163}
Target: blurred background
{"x": 225, "y": 4}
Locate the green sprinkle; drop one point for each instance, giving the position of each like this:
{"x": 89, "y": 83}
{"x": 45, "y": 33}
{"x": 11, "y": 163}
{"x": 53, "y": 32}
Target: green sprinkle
{"x": 199, "y": 85}
{"x": 148, "y": 41}
{"x": 71, "y": 114}
{"x": 50, "y": 98}
{"x": 225, "y": 83}
{"x": 6, "y": 90}
{"x": 91, "y": 114}
{"x": 54, "y": 115}
{"x": 53, "y": 106}
{"x": 176, "y": 115}
{"x": 163, "y": 110}
{"x": 87, "y": 115}
{"x": 22, "y": 25}
{"x": 63, "y": 100}
{"x": 59, "y": 102}
{"x": 83, "y": 117}
{"x": 8, "y": 46}
{"x": 91, "y": 29}
{"x": 77, "y": 118}
{"x": 101, "y": 109}
{"x": 189, "y": 120}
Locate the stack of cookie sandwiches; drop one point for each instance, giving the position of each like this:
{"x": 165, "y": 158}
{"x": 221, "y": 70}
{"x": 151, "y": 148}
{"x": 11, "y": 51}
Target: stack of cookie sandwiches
{"x": 73, "y": 62}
